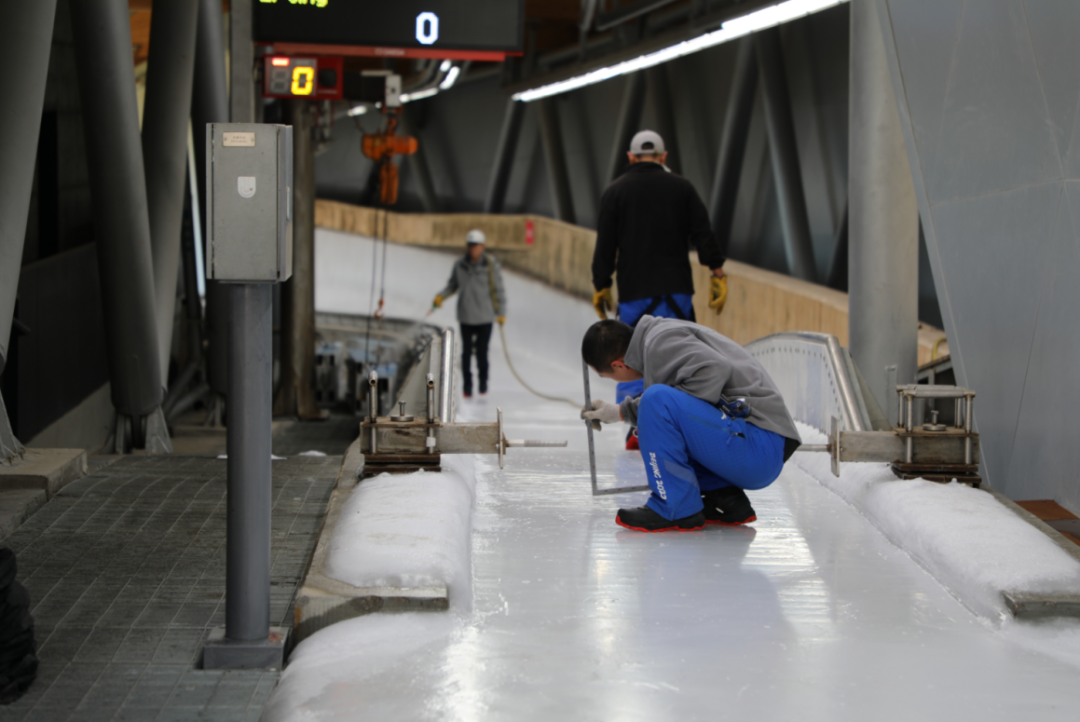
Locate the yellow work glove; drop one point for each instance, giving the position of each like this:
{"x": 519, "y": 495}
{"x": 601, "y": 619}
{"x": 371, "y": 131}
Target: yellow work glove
{"x": 501, "y": 320}
{"x": 717, "y": 293}
{"x": 437, "y": 303}
{"x": 602, "y": 302}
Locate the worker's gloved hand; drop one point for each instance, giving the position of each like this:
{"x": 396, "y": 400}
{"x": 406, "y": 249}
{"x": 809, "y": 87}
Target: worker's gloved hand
{"x": 603, "y": 302}
{"x": 437, "y": 303}
{"x": 604, "y": 411}
{"x": 501, "y": 319}
{"x": 717, "y": 293}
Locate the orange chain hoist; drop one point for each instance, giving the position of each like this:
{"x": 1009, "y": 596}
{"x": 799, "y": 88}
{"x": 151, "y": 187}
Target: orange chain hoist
{"x": 381, "y": 148}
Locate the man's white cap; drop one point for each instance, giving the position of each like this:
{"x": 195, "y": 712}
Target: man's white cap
{"x": 474, "y": 237}
{"x": 647, "y": 142}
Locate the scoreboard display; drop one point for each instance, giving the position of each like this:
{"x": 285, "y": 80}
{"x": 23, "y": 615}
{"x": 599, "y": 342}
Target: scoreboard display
{"x": 480, "y": 25}
{"x": 318, "y": 78}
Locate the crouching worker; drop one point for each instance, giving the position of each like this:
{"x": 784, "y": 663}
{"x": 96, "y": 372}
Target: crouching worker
{"x": 711, "y": 423}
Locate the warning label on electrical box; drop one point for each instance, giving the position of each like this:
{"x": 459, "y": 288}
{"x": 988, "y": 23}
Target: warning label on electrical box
{"x": 234, "y": 139}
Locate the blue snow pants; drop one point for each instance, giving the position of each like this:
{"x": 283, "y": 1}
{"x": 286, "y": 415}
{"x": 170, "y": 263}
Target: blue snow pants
{"x": 631, "y": 312}
{"x": 690, "y": 446}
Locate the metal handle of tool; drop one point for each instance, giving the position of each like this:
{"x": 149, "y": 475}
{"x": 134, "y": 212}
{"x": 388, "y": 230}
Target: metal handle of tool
{"x": 590, "y": 424}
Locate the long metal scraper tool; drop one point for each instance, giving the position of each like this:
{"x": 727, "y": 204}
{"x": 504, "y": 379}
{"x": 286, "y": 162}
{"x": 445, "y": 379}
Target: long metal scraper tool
{"x": 590, "y": 424}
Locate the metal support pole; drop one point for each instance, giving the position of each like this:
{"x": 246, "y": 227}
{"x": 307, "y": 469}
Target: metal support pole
{"x": 418, "y": 167}
{"x": 241, "y": 62}
{"x": 504, "y": 157}
{"x": 247, "y": 584}
{"x": 785, "y": 157}
{"x": 729, "y": 163}
{"x": 555, "y": 155}
{"x": 665, "y": 115}
{"x": 446, "y": 377}
{"x": 20, "y": 122}
{"x": 169, "y": 72}
{"x": 122, "y": 225}
{"x": 883, "y": 225}
{"x": 627, "y": 124}
{"x": 210, "y": 104}
{"x": 295, "y": 395}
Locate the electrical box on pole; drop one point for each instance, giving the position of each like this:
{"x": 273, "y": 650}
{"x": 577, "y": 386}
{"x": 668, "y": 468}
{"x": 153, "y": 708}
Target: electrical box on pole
{"x": 249, "y": 243}
{"x": 249, "y": 202}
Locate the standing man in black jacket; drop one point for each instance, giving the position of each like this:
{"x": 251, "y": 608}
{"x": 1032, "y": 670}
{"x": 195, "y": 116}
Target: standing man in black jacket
{"x": 650, "y": 218}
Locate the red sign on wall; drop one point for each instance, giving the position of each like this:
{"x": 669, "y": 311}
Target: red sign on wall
{"x": 528, "y": 233}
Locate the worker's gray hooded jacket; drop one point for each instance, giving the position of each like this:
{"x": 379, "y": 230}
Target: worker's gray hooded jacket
{"x": 707, "y": 365}
{"x": 477, "y": 303}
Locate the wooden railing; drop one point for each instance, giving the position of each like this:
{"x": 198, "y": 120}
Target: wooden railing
{"x": 759, "y": 302}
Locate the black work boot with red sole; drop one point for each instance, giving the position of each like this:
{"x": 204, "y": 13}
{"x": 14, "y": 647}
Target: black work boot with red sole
{"x": 645, "y": 519}
{"x": 728, "y": 507}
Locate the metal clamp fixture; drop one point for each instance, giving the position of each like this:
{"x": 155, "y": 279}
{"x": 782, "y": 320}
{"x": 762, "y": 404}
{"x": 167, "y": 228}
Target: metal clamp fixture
{"x": 914, "y": 449}
{"x": 405, "y": 443}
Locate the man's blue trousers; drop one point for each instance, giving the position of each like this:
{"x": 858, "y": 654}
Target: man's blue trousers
{"x": 690, "y": 446}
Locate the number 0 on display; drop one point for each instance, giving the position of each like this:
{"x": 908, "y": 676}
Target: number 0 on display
{"x": 427, "y": 28}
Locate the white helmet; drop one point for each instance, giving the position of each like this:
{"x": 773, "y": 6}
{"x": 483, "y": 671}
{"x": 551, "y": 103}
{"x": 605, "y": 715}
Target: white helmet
{"x": 475, "y": 236}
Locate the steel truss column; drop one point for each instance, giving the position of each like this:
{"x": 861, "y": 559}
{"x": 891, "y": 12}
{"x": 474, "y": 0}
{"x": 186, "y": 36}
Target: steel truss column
{"x": 20, "y": 123}
{"x": 784, "y": 155}
{"x": 504, "y": 157}
{"x": 122, "y": 225}
{"x": 169, "y": 72}
{"x": 729, "y": 163}
{"x": 665, "y": 115}
{"x": 883, "y": 219}
{"x": 627, "y": 124}
{"x": 210, "y": 104}
{"x": 418, "y": 166}
{"x": 295, "y": 395}
{"x": 555, "y": 155}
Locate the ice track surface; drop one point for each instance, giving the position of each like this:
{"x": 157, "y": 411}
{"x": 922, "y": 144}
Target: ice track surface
{"x": 811, "y": 614}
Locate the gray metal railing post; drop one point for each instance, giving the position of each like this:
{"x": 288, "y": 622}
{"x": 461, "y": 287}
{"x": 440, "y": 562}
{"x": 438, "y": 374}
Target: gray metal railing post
{"x": 446, "y": 377}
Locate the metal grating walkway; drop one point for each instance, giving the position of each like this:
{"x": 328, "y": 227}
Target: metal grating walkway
{"x": 126, "y": 572}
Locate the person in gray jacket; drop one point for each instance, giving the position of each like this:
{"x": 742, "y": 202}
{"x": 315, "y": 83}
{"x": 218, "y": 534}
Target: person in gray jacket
{"x": 711, "y": 421}
{"x": 483, "y": 300}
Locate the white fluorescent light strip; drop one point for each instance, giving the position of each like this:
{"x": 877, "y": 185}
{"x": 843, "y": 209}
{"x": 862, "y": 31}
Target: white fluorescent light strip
{"x": 450, "y": 78}
{"x": 446, "y": 65}
{"x": 735, "y": 28}
{"x": 418, "y": 95}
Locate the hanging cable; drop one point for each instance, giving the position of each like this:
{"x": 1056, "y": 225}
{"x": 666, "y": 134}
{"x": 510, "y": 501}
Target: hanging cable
{"x": 530, "y": 389}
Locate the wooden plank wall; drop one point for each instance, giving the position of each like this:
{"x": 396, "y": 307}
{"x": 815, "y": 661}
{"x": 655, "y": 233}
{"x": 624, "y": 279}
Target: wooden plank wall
{"x": 759, "y": 302}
